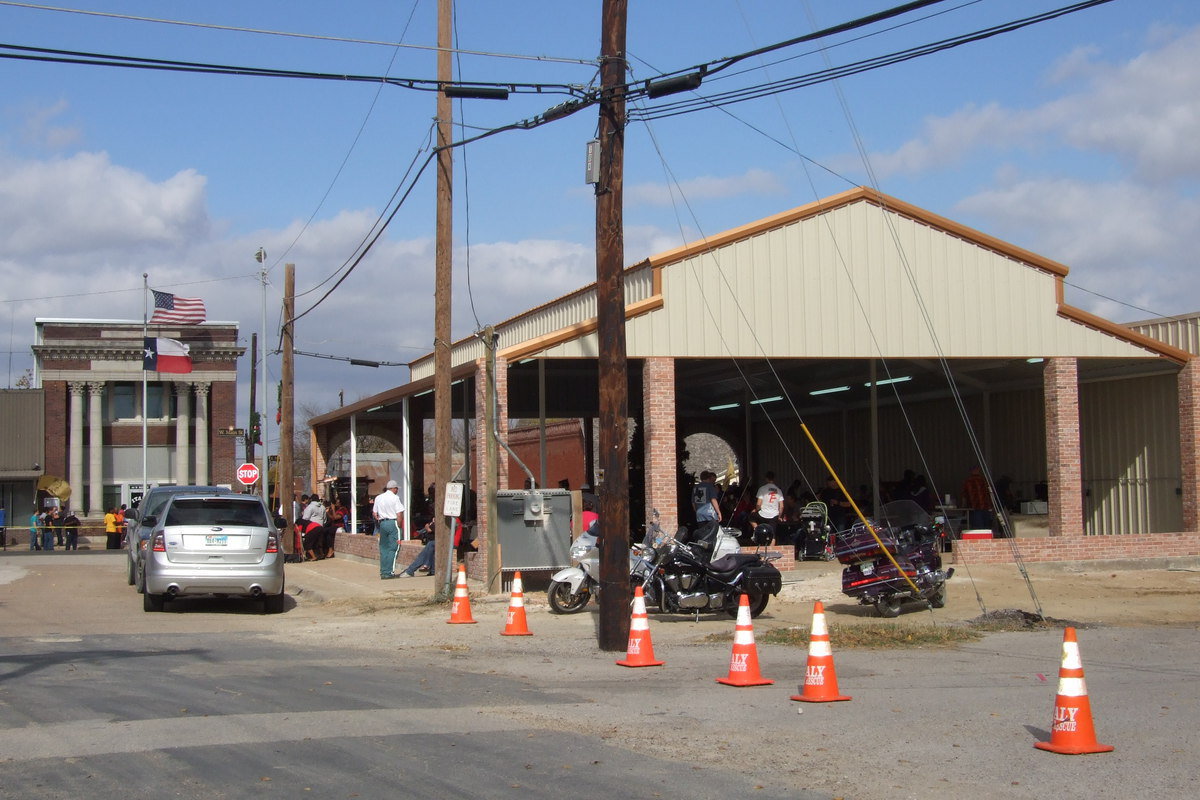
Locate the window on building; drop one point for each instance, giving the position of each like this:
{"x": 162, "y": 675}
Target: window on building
{"x": 122, "y": 400}
{"x": 154, "y": 401}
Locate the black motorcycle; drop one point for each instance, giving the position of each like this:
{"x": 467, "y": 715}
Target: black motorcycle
{"x": 687, "y": 579}
{"x": 906, "y": 531}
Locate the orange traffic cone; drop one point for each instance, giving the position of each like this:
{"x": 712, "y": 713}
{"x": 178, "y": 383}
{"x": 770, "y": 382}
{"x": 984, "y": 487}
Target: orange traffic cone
{"x": 743, "y": 667}
{"x": 820, "y": 679}
{"x": 516, "y": 625}
{"x": 641, "y": 650}
{"x": 460, "y": 609}
{"x": 1072, "y": 732}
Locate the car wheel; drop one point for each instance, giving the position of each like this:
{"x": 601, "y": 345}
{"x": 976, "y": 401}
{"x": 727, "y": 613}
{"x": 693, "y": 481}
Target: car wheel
{"x": 273, "y": 603}
{"x": 153, "y": 602}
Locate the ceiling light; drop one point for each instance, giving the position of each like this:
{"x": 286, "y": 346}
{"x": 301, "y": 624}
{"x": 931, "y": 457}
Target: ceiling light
{"x": 1034, "y": 360}
{"x": 887, "y": 381}
{"x": 830, "y": 390}
{"x": 762, "y": 400}
{"x": 723, "y": 407}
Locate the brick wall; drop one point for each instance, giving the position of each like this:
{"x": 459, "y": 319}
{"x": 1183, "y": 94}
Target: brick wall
{"x": 223, "y": 459}
{"x": 658, "y": 397}
{"x": 1189, "y": 443}
{"x": 1078, "y": 548}
{"x": 1064, "y": 466}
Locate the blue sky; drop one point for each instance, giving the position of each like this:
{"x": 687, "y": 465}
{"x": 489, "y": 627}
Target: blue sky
{"x": 1078, "y": 139}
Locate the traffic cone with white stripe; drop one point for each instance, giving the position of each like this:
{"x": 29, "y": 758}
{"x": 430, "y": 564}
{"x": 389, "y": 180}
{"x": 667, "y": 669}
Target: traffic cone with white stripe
{"x": 640, "y": 652}
{"x": 460, "y": 609}
{"x": 743, "y": 666}
{"x": 1072, "y": 732}
{"x": 516, "y": 625}
{"x": 820, "y": 679}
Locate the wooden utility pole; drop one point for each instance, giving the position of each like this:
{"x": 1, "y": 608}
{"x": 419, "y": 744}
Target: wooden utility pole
{"x": 253, "y": 399}
{"x": 286, "y": 482}
{"x": 613, "y": 630}
{"x": 443, "y": 245}
{"x": 491, "y": 470}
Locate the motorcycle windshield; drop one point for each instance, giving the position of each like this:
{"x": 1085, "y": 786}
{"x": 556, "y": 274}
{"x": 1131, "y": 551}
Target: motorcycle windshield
{"x": 904, "y": 514}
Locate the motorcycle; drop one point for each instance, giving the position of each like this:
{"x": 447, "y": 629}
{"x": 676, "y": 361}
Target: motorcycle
{"x": 571, "y": 588}
{"x": 709, "y": 573}
{"x": 913, "y": 539}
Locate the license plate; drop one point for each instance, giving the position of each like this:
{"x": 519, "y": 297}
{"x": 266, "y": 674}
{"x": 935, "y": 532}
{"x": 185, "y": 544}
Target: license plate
{"x": 216, "y": 540}
{"x": 868, "y": 569}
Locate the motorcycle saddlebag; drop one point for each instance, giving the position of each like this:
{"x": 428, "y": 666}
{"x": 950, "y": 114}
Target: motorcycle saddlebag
{"x": 763, "y": 578}
{"x": 857, "y": 544}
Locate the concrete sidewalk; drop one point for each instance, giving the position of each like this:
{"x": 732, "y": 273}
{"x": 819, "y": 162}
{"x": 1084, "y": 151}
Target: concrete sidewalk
{"x": 336, "y": 578}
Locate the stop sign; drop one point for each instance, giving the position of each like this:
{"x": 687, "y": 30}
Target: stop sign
{"x": 247, "y": 474}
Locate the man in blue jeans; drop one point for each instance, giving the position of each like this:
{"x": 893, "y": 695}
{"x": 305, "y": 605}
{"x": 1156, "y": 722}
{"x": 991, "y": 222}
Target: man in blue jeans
{"x": 387, "y": 511}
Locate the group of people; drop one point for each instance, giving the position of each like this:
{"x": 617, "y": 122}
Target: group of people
{"x": 53, "y": 527}
{"x": 387, "y": 512}
{"x": 318, "y": 524}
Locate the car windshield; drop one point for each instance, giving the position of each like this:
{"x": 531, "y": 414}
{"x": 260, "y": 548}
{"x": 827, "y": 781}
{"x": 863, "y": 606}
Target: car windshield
{"x": 216, "y": 511}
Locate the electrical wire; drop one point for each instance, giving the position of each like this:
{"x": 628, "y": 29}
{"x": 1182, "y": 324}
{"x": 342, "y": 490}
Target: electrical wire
{"x": 267, "y": 32}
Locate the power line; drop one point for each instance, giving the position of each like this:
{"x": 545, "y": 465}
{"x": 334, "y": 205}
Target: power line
{"x": 292, "y": 35}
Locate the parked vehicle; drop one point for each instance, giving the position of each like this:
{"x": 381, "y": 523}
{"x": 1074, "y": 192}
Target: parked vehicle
{"x": 223, "y": 544}
{"x": 913, "y": 540}
{"x": 136, "y": 537}
{"x": 707, "y": 571}
{"x": 571, "y": 588}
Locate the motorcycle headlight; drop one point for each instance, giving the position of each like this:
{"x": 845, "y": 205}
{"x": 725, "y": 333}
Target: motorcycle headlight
{"x": 578, "y": 551}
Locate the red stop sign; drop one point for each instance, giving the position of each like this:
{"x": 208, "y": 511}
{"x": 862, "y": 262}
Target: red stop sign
{"x": 247, "y": 474}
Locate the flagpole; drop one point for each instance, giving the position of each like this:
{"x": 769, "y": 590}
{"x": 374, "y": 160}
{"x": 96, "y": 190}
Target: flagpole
{"x": 145, "y": 399}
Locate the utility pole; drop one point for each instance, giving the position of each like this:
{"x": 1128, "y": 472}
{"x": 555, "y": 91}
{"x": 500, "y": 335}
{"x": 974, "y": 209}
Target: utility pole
{"x": 613, "y": 629}
{"x": 286, "y": 482}
{"x": 443, "y": 257}
{"x": 253, "y": 400}
{"x": 491, "y": 471}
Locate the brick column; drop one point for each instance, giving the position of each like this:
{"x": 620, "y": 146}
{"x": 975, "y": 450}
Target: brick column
{"x": 658, "y": 402}
{"x": 1189, "y": 443}
{"x": 318, "y": 454}
{"x": 1063, "y": 463}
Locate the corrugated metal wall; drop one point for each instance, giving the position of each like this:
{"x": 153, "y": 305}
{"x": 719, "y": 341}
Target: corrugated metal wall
{"x": 22, "y": 430}
{"x": 1181, "y": 332}
{"x": 1131, "y": 455}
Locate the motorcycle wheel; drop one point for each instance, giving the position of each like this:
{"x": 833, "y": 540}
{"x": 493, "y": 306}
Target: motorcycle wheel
{"x": 562, "y": 601}
{"x": 939, "y": 597}
{"x": 887, "y": 606}
{"x": 758, "y": 604}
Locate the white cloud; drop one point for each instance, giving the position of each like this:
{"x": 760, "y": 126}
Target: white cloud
{"x": 705, "y": 187}
{"x": 1144, "y": 112}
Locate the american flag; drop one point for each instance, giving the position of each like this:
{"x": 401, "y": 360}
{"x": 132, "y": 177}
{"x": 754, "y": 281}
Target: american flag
{"x": 171, "y": 309}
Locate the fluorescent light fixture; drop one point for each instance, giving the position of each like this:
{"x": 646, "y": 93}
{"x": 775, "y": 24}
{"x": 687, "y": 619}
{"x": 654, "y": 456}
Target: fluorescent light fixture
{"x": 723, "y": 407}
{"x": 831, "y": 390}
{"x": 526, "y": 361}
{"x": 422, "y": 394}
{"x": 887, "y": 381}
{"x": 1034, "y": 360}
{"x": 762, "y": 400}
{"x": 374, "y": 408}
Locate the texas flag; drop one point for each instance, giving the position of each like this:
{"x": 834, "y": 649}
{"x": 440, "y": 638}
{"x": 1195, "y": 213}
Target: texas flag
{"x": 166, "y": 355}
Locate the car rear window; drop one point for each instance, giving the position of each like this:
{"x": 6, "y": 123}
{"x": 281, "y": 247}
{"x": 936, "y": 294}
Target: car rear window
{"x": 216, "y": 511}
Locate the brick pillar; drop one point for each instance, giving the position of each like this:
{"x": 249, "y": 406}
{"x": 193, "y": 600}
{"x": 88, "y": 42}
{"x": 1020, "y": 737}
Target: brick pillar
{"x": 318, "y": 453}
{"x": 658, "y": 402}
{"x": 1189, "y": 443}
{"x": 1063, "y": 463}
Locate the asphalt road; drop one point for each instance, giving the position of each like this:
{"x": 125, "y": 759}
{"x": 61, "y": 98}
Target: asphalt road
{"x": 98, "y": 699}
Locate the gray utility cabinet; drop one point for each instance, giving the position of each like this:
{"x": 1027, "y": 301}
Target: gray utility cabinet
{"x": 534, "y": 528}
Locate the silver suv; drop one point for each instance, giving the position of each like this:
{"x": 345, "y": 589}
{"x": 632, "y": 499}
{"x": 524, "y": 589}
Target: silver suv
{"x": 224, "y": 544}
{"x": 136, "y": 537}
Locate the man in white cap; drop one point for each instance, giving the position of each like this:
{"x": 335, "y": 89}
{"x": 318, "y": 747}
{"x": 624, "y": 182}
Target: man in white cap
{"x": 387, "y": 511}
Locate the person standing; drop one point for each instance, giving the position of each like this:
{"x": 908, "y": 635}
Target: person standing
{"x": 386, "y": 513}
{"x": 49, "y": 528}
{"x": 35, "y": 521}
{"x": 112, "y": 538}
{"x": 978, "y": 500}
{"x": 768, "y": 503}
{"x": 706, "y": 498}
{"x": 3, "y": 529}
{"x": 70, "y": 525}
{"x": 121, "y": 525}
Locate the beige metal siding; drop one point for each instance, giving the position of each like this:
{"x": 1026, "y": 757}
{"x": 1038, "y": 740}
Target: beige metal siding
{"x": 1181, "y": 332}
{"x": 22, "y": 430}
{"x": 1131, "y": 455}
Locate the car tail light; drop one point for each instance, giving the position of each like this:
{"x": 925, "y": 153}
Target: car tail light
{"x": 272, "y": 543}
{"x": 160, "y": 545}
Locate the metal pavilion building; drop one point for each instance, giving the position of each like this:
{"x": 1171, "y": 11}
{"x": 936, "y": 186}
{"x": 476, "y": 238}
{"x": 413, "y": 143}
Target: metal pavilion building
{"x": 897, "y": 336}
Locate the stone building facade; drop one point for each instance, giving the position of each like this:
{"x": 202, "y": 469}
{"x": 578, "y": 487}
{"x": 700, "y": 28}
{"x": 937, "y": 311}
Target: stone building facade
{"x": 96, "y": 410}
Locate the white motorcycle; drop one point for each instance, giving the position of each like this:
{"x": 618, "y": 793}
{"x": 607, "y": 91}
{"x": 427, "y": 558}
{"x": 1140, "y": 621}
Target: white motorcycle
{"x": 572, "y": 588}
